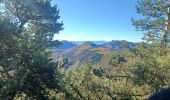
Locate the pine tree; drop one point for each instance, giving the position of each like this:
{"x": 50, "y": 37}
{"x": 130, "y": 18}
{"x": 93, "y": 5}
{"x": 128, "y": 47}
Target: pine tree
{"x": 27, "y": 28}
{"x": 149, "y": 69}
{"x": 155, "y": 21}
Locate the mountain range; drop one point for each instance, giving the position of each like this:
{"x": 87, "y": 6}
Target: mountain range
{"x": 114, "y": 44}
{"x": 71, "y": 53}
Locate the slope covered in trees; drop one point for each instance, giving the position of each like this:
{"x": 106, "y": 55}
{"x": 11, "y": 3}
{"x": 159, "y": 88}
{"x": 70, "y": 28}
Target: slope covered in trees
{"x": 27, "y": 71}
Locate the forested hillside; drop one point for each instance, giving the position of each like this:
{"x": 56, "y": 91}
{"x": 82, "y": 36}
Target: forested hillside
{"x": 68, "y": 54}
{"x": 34, "y": 66}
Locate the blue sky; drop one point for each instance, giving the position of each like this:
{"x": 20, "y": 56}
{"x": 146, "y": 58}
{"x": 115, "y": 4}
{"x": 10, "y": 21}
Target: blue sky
{"x": 87, "y": 20}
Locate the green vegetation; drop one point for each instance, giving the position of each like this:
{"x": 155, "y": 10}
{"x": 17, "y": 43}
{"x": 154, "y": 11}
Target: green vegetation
{"x": 27, "y": 28}
{"x": 87, "y": 72}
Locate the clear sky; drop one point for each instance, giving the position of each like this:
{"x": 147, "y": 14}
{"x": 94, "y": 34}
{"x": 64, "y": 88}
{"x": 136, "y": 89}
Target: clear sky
{"x": 86, "y": 20}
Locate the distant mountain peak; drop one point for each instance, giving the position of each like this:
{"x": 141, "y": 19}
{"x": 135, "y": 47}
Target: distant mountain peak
{"x": 89, "y": 43}
{"x": 119, "y": 44}
{"x": 65, "y": 45}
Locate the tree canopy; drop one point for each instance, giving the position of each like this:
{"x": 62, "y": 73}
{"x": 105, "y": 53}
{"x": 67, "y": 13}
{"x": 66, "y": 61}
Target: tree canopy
{"x": 27, "y": 28}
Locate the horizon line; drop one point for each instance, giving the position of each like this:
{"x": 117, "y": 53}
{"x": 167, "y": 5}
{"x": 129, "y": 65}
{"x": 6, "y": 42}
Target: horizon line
{"x": 98, "y": 40}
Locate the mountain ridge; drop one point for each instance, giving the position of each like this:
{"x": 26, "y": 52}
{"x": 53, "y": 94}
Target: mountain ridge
{"x": 114, "y": 44}
{"x": 70, "y": 53}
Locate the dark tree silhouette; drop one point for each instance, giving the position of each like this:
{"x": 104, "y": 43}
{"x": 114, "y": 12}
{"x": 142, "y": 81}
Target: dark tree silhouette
{"x": 162, "y": 95}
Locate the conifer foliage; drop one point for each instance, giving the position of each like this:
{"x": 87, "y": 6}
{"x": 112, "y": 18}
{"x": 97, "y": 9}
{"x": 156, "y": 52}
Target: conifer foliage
{"x": 155, "y": 22}
{"x": 27, "y": 28}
